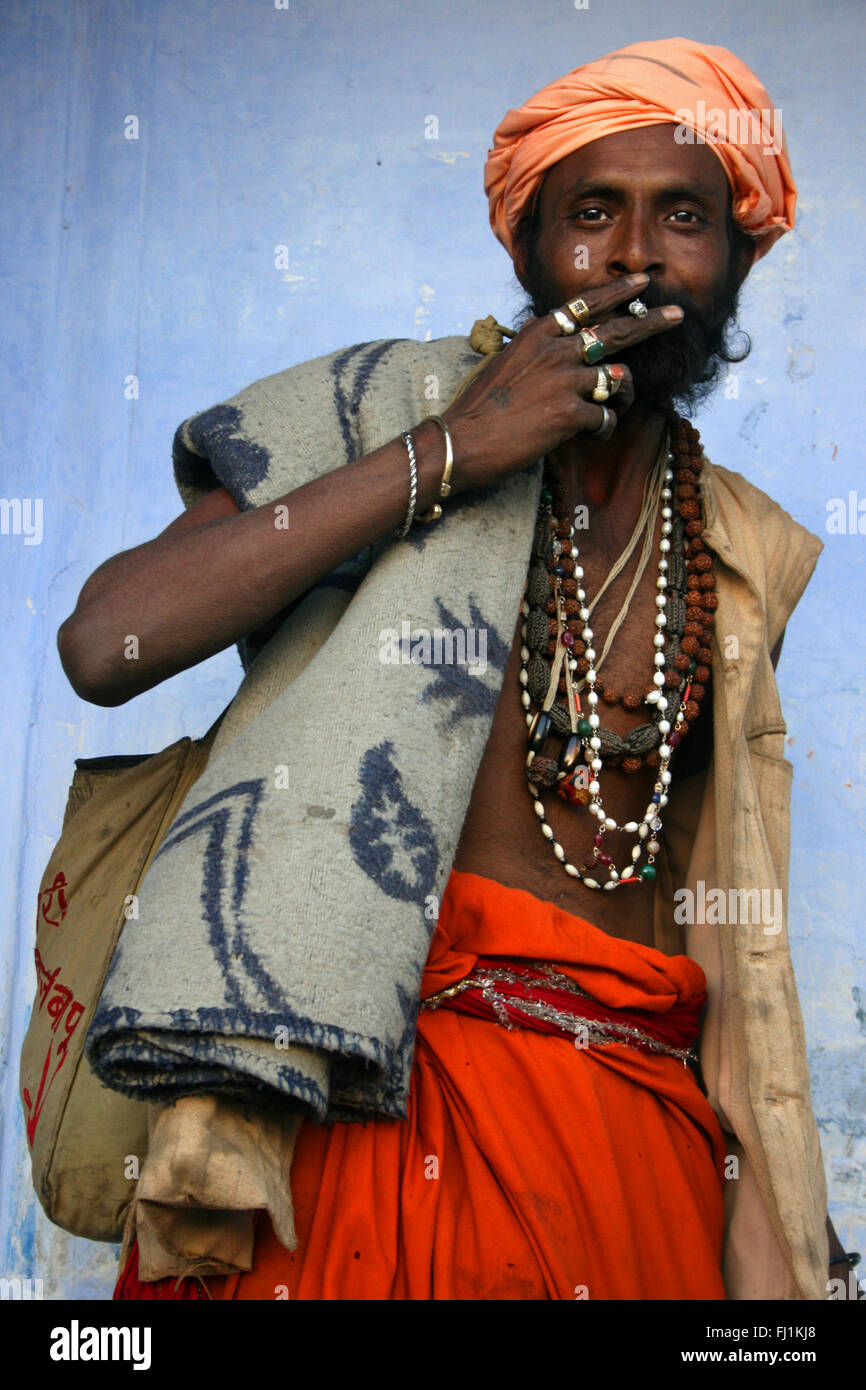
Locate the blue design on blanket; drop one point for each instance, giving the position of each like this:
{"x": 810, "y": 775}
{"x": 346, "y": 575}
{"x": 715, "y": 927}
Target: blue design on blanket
{"x": 458, "y": 681}
{"x": 387, "y": 831}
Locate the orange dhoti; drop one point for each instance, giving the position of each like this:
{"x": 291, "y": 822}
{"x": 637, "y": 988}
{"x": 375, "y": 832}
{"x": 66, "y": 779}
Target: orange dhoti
{"x": 531, "y": 1165}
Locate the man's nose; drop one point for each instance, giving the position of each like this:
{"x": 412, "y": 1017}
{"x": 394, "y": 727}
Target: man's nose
{"x": 635, "y": 247}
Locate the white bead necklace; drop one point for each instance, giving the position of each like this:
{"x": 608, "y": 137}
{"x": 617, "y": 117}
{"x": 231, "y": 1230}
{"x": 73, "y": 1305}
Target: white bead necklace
{"x": 649, "y": 827}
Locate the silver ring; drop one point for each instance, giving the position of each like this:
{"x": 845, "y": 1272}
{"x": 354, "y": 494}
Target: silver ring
{"x": 602, "y": 386}
{"x": 607, "y": 426}
{"x": 566, "y": 325}
{"x": 638, "y": 308}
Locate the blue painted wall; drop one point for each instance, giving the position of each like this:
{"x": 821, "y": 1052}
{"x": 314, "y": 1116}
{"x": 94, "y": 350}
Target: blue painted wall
{"x": 154, "y": 258}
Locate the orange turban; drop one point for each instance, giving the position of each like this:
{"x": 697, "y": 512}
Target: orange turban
{"x": 702, "y": 89}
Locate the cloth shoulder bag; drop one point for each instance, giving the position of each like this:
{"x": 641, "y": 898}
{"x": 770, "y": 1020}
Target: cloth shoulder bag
{"x": 87, "y": 1142}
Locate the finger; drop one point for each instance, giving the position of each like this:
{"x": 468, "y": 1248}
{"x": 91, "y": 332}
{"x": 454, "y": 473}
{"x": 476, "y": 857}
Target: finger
{"x": 604, "y": 424}
{"x": 600, "y": 300}
{"x": 602, "y": 378}
{"x": 619, "y": 333}
{"x": 623, "y": 398}
{"x": 621, "y": 387}
{"x": 613, "y": 378}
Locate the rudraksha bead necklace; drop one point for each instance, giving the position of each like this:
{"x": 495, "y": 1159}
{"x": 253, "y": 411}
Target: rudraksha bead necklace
{"x": 637, "y": 747}
{"x": 687, "y": 674}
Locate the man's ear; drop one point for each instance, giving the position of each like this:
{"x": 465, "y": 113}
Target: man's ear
{"x": 744, "y": 257}
{"x": 520, "y": 257}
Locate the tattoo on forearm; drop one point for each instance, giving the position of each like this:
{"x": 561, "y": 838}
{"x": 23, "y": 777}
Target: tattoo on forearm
{"x": 500, "y": 395}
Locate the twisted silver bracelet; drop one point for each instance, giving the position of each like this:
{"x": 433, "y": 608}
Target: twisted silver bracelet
{"x": 413, "y": 484}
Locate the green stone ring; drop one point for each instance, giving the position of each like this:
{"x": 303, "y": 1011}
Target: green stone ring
{"x": 593, "y": 347}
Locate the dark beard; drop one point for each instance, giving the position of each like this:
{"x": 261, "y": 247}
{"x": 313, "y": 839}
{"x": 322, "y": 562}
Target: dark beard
{"x": 679, "y": 367}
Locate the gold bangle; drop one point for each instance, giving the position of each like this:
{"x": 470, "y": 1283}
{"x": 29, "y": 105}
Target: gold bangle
{"x": 435, "y": 511}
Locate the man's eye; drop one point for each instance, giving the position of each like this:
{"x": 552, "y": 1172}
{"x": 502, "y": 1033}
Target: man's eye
{"x": 687, "y": 212}
{"x": 588, "y": 212}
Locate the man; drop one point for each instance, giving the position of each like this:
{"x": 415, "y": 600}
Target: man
{"x": 525, "y": 1165}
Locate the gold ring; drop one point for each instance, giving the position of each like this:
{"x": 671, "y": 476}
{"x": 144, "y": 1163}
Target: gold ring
{"x": 593, "y": 348}
{"x": 580, "y": 310}
{"x": 603, "y": 386}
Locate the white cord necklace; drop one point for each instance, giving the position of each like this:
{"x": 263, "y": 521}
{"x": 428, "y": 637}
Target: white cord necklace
{"x": 539, "y": 724}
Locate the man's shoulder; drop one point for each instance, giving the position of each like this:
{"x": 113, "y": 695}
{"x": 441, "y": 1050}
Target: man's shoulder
{"x": 730, "y": 484}
{"x": 315, "y": 415}
{"x": 742, "y": 503}
{"x": 755, "y": 533}
{"x": 359, "y": 368}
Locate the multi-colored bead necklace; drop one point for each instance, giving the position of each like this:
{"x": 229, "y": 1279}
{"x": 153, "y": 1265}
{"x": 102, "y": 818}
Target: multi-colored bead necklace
{"x": 557, "y": 627}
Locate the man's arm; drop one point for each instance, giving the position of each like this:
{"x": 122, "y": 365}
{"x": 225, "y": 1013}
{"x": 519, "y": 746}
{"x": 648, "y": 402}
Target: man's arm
{"x": 212, "y": 577}
{"x": 215, "y": 574}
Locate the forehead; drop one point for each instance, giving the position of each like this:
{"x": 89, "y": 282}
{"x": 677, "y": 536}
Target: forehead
{"x": 648, "y": 159}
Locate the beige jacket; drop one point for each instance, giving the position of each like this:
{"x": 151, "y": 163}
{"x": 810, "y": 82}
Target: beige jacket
{"x": 730, "y": 829}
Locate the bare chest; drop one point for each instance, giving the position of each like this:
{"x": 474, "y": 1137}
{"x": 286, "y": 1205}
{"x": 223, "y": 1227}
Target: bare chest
{"x": 501, "y": 837}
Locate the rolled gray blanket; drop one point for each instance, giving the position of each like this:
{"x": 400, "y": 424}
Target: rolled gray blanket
{"x": 284, "y": 925}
